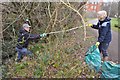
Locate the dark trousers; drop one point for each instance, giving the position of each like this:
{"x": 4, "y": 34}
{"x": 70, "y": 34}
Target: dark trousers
{"x": 23, "y": 51}
{"x": 103, "y": 48}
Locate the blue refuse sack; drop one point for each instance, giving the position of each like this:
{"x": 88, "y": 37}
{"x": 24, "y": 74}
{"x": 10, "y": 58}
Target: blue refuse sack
{"x": 93, "y": 59}
{"x": 110, "y": 70}
{"x": 107, "y": 69}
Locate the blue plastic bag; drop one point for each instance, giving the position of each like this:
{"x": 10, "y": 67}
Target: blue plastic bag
{"x": 110, "y": 70}
{"x": 93, "y": 59}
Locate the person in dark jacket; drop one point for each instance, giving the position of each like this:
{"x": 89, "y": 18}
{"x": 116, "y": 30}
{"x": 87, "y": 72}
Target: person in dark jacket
{"x": 104, "y": 29}
{"x": 23, "y": 40}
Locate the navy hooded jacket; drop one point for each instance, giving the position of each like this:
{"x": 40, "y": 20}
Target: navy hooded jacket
{"x": 24, "y": 37}
{"x": 104, "y": 30}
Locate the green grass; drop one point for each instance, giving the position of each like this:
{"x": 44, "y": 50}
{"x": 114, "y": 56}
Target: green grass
{"x": 114, "y": 22}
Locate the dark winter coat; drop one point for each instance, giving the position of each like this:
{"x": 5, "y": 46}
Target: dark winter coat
{"x": 24, "y": 37}
{"x": 104, "y": 30}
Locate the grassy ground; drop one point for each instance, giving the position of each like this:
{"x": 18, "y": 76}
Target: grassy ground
{"x": 114, "y": 22}
{"x": 62, "y": 58}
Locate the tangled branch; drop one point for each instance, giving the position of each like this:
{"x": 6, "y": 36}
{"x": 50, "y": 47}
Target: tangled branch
{"x": 83, "y": 21}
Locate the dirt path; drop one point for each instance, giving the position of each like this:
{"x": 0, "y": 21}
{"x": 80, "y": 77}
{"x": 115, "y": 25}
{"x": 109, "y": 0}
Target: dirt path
{"x": 113, "y": 48}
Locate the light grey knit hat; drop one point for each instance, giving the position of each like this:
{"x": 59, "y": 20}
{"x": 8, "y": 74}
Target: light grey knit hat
{"x": 26, "y": 25}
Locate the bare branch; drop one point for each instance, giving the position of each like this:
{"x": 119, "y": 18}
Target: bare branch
{"x": 79, "y": 15}
{"x": 14, "y": 20}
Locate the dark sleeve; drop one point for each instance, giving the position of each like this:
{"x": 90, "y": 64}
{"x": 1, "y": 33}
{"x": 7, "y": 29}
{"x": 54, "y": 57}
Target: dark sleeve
{"x": 95, "y": 26}
{"x": 34, "y": 36}
{"x": 104, "y": 31}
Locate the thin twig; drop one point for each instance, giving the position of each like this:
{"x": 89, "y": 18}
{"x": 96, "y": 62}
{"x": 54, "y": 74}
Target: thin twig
{"x": 55, "y": 19}
{"x": 49, "y": 9}
{"x": 50, "y": 19}
{"x": 14, "y": 20}
{"x": 34, "y": 9}
{"x": 64, "y": 18}
{"x": 82, "y": 6}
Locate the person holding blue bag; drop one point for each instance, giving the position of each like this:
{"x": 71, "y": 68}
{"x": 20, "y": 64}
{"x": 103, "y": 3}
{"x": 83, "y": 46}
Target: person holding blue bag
{"x": 104, "y": 29}
{"x": 23, "y": 40}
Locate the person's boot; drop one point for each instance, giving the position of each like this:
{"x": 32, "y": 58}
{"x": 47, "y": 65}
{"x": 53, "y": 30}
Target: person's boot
{"x": 105, "y": 58}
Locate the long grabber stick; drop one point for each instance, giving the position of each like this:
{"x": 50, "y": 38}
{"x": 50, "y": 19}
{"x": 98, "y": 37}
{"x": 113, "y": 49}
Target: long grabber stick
{"x": 62, "y": 31}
